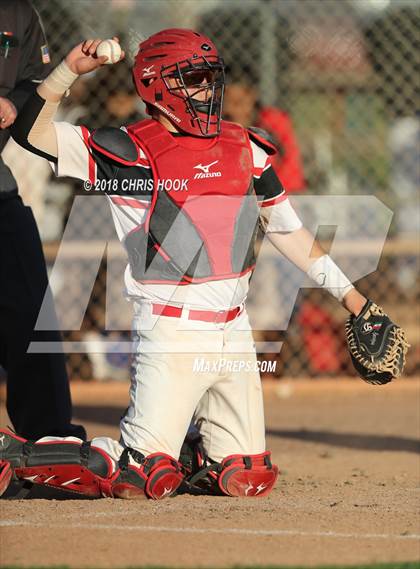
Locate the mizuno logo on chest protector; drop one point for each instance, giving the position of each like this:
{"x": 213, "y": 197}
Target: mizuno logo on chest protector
{"x": 205, "y": 171}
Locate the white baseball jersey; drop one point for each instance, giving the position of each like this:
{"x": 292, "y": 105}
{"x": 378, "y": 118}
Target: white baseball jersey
{"x": 130, "y": 201}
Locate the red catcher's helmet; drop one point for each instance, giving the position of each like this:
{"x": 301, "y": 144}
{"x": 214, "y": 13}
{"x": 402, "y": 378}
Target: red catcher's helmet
{"x": 180, "y": 73}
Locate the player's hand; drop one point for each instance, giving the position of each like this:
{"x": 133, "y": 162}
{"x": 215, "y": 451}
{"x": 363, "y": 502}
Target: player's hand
{"x": 83, "y": 59}
{"x": 354, "y": 302}
{"x": 8, "y": 113}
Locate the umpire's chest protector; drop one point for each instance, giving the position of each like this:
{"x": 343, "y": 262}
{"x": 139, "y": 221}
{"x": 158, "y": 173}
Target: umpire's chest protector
{"x": 202, "y": 222}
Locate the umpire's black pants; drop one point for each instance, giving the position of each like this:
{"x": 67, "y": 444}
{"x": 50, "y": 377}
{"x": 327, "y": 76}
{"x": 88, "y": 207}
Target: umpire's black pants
{"x": 38, "y": 394}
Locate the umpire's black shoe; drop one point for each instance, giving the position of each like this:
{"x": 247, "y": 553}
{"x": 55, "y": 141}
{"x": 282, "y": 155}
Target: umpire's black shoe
{"x": 71, "y": 431}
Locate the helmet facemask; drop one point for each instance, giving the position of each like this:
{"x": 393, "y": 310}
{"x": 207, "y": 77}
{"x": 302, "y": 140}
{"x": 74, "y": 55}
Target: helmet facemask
{"x": 200, "y": 83}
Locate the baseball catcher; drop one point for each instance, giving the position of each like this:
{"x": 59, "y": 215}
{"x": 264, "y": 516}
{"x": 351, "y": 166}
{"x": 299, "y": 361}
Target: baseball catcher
{"x": 188, "y": 192}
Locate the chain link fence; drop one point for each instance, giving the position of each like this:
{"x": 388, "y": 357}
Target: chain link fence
{"x": 334, "y": 81}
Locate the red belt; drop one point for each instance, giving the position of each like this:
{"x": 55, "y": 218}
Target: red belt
{"x": 218, "y": 316}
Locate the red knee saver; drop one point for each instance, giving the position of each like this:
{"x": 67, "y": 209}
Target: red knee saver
{"x": 247, "y": 475}
{"x": 158, "y": 476}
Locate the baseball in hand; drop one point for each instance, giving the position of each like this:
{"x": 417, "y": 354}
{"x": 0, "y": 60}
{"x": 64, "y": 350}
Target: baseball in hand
{"x": 111, "y": 49}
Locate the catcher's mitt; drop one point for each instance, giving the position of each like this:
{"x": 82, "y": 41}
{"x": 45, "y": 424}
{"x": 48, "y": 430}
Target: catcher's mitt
{"x": 377, "y": 346}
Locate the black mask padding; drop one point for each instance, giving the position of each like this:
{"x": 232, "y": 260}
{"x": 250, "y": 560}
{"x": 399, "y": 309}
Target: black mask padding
{"x": 203, "y": 107}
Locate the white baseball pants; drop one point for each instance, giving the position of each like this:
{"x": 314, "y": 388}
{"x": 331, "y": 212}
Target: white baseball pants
{"x": 184, "y": 370}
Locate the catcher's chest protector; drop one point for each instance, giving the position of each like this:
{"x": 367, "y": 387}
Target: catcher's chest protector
{"x": 202, "y": 222}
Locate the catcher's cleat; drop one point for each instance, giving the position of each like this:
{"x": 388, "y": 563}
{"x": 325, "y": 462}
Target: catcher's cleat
{"x": 193, "y": 459}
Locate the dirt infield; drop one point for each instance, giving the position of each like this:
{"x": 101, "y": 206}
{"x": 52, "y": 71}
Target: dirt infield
{"x": 348, "y": 493}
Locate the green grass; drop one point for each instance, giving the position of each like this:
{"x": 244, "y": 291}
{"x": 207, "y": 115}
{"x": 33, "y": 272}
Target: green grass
{"x": 404, "y": 565}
